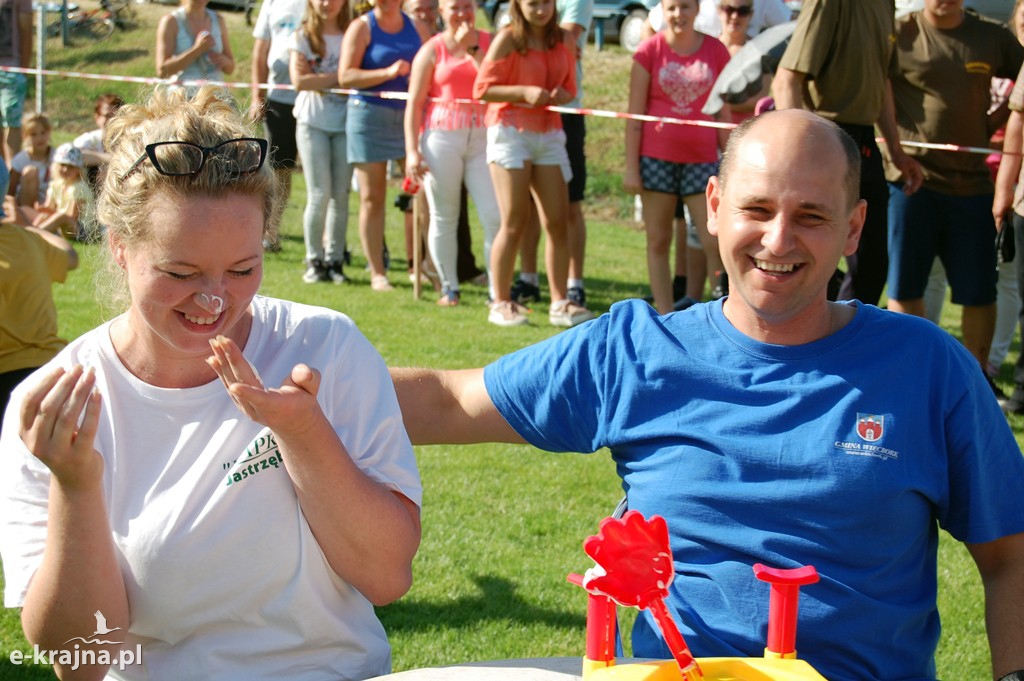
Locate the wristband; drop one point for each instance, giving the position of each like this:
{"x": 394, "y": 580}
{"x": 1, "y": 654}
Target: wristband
{"x": 1013, "y": 676}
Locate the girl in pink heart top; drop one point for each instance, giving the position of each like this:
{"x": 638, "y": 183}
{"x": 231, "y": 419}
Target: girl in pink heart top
{"x": 528, "y": 67}
{"x": 672, "y": 74}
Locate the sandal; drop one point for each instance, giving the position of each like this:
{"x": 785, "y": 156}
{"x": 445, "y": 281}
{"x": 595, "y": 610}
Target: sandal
{"x": 379, "y": 282}
{"x": 449, "y": 299}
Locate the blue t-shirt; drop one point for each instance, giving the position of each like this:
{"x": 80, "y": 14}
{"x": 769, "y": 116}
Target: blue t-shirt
{"x": 383, "y": 51}
{"x": 847, "y": 453}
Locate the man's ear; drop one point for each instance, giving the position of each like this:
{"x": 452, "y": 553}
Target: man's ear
{"x": 856, "y": 221}
{"x": 712, "y": 196}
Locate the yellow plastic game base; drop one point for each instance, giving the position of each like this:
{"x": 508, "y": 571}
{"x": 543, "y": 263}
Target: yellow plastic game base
{"x": 714, "y": 669}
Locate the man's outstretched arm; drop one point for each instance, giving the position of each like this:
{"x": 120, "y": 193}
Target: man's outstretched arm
{"x": 449, "y": 407}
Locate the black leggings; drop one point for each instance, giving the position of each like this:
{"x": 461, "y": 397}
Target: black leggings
{"x": 868, "y": 268}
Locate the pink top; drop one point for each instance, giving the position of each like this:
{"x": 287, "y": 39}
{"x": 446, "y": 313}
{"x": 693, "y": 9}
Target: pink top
{"x": 545, "y": 68}
{"x": 678, "y": 89}
{"x": 453, "y": 79}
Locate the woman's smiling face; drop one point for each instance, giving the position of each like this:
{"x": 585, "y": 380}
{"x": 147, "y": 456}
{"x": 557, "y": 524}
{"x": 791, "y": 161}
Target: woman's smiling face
{"x": 194, "y": 276}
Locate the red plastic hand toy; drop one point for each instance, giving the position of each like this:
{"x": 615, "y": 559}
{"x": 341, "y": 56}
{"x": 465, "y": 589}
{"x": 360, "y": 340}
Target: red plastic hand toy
{"x": 635, "y": 558}
{"x": 634, "y": 568}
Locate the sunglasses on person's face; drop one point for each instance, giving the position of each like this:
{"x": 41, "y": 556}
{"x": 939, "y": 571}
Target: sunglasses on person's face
{"x": 182, "y": 159}
{"x": 741, "y": 11}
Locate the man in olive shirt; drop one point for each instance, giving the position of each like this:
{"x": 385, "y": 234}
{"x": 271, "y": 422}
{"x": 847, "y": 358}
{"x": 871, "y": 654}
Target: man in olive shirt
{"x": 836, "y": 65}
{"x": 941, "y": 71}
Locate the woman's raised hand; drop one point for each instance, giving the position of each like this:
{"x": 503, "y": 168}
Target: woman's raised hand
{"x": 292, "y": 408}
{"x": 59, "y": 419}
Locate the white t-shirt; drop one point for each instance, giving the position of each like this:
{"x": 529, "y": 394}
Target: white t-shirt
{"x": 22, "y": 160}
{"x": 315, "y": 108}
{"x": 276, "y": 22}
{"x": 225, "y": 579}
{"x": 767, "y": 13}
{"x": 90, "y": 141}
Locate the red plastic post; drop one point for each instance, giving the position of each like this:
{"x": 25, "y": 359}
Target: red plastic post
{"x": 600, "y": 624}
{"x": 782, "y": 604}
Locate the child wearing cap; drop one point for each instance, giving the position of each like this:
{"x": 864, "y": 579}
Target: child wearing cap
{"x": 68, "y": 198}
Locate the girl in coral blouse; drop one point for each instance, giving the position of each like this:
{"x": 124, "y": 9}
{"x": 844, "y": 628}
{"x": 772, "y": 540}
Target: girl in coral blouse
{"x": 530, "y": 65}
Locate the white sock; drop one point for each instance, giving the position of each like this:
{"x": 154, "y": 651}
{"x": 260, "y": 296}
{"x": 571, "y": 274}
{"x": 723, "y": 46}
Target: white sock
{"x": 575, "y": 283}
{"x": 530, "y": 278}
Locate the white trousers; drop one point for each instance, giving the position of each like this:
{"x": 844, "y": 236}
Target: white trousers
{"x": 456, "y": 157}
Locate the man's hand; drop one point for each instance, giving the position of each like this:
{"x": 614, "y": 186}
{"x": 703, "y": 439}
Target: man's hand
{"x": 910, "y": 171}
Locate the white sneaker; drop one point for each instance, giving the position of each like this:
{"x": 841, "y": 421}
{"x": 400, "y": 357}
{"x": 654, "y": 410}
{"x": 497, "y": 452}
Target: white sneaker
{"x": 566, "y": 313}
{"x": 336, "y": 272}
{"x": 316, "y": 271}
{"x": 506, "y": 313}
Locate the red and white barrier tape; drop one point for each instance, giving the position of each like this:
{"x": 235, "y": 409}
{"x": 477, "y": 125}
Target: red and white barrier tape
{"x": 404, "y": 96}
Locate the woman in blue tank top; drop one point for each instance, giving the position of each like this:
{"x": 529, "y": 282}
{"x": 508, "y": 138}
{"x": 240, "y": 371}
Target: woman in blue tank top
{"x": 375, "y": 57}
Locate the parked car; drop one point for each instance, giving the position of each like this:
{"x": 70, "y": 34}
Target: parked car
{"x": 622, "y": 20}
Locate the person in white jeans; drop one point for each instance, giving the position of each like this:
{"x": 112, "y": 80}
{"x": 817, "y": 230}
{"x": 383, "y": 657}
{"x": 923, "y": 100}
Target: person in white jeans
{"x": 454, "y": 157}
{"x": 453, "y": 147}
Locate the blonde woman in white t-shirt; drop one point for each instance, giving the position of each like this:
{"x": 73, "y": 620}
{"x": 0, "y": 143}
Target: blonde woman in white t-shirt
{"x": 153, "y": 479}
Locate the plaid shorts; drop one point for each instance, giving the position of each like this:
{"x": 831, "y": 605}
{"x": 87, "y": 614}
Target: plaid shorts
{"x": 681, "y": 179}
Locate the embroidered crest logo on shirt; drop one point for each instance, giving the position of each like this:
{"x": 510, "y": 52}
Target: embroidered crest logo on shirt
{"x": 870, "y": 427}
{"x": 684, "y": 83}
{"x": 262, "y": 454}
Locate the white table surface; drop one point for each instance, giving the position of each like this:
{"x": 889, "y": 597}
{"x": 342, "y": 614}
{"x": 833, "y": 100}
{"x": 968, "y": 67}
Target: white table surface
{"x": 528, "y": 669}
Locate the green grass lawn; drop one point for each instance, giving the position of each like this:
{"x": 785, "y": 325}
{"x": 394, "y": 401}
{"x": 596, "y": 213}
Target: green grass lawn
{"x": 502, "y": 525}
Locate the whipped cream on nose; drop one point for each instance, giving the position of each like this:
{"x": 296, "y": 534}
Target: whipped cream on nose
{"x": 209, "y": 303}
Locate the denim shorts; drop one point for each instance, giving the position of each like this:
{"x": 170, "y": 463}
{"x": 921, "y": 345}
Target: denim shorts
{"x": 375, "y": 133}
{"x": 511, "y": 148}
{"x": 13, "y": 87}
{"x": 681, "y": 179}
{"x": 957, "y": 229}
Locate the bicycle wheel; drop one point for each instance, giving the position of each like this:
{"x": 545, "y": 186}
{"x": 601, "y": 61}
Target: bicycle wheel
{"x": 126, "y": 18}
{"x": 122, "y": 12}
{"x": 91, "y": 29}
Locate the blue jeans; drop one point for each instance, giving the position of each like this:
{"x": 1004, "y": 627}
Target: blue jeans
{"x": 328, "y": 180}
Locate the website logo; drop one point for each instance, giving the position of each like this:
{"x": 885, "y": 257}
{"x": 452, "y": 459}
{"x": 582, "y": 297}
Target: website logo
{"x": 73, "y": 657}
